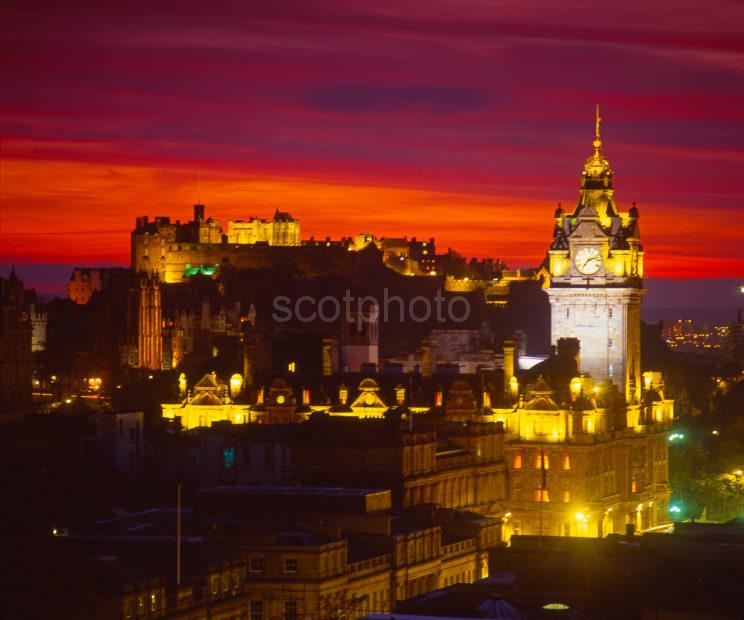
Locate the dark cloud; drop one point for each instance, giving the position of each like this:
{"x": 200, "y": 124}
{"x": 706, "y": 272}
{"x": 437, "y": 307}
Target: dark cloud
{"x": 424, "y": 98}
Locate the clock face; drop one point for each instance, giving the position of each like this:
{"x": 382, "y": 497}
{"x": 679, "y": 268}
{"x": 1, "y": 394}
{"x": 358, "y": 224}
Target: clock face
{"x": 280, "y": 399}
{"x": 588, "y": 261}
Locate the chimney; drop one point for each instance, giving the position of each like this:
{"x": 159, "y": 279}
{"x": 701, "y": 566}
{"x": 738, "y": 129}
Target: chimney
{"x": 520, "y": 343}
{"x": 570, "y": 348}
{"x": 428, "y": 359}
{"x": 330, "y": 355}
{"x": 508, "y": 364}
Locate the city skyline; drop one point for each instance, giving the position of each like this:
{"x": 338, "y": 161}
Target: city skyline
{"x": 469, "y": 127}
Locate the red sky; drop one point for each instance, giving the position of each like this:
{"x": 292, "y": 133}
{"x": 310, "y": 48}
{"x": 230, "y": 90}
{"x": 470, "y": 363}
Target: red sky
{"x": 466, "y": 121}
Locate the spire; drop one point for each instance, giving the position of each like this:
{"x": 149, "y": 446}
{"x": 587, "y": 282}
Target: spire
{"x": 597, "y": 171}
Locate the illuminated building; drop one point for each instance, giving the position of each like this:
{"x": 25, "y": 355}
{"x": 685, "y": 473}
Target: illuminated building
{"x": 593, "y": 273}
{"x": 283, "y": 229}
{"x": 39, "y": 328}
{"x": 145, "y": 319}
{"x": 208, "y": 402}
{"x": 685, "y": 335}
{"x": 176, "y": 251}
{"x": 84, "y": 281}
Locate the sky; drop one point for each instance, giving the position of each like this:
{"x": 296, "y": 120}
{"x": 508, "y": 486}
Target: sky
{"x": 463, "y": 120}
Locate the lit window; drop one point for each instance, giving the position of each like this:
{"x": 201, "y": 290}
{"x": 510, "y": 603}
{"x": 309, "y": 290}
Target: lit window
{"x": 255, "y": 565}
{"x": 290, "y": 565}
{"x": 228, "y": 457}
{"x": 517, "y": 461}
{"x": 542, "y": 461}
{"x": 541, "y": 495}
{"x": 567, "y": 462}
{"x": 566, "y": 496}
{"x": 154, "y": 599}
{"x": 634, "y": 485}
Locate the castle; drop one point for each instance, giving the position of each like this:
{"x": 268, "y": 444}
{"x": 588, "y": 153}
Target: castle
{"x": 174, "y": 250}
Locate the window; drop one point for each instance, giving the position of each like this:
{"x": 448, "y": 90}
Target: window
{"x": 542, "y": 460}
{"x": 228, "y": 457}
{"x": 634, "y": 485}
{"x": 214, "y": 584}
{"x": 517, "y": 461}
{"x": 566, "y": 462}
{"x": 290, "y": 610}
{"x": 541, "y": 495}
{"x": 290, "y": 565}
{"x": 225, "y": 582}
{"x": 255, "y": 609}
{"x": 255, "y": 565}
{"x": 154, "y": 600}
{"x": 566, "y": 496}
{"x": 268, "y": 456}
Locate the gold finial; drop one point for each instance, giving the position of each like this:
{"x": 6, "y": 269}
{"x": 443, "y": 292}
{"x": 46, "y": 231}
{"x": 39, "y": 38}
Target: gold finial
{"x": 598, "y": 119}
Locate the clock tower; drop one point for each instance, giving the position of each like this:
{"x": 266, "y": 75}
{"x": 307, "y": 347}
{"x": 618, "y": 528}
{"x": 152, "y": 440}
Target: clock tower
{"x": 594, "y": 271}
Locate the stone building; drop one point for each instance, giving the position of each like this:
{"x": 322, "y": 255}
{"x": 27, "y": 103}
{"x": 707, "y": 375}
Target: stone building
{"x": 16, "y": 330}
{"x": 283, "y": 229}
{"x": 593, "y": 274}
{"x": 277, "y": 552}
{"x": 84, "y": 281}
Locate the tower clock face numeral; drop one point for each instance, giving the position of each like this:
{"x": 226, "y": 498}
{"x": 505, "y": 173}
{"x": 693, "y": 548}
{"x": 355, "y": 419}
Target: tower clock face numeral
{"x": 588, "y": 261}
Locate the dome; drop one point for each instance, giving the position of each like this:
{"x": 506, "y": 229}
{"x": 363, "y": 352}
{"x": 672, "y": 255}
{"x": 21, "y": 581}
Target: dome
{"x": 368, "y": 385}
